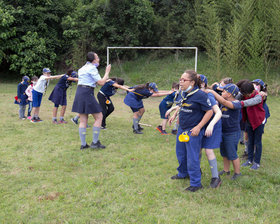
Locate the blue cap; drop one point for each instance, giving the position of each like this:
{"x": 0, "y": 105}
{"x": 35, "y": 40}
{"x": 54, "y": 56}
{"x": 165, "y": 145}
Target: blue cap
{"x": 231, "y": 88}
{"x": 74, "y": 74}
{"x": 259, "y": 81}
{"x": 46, "y": 70}
{"x": 203, "y": 78}
{"x": 153, "y": 86}
{"x": 25, "y": 78}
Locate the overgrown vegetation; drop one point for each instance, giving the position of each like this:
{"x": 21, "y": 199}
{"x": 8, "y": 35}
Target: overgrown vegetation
{"x": 244, "y": 34}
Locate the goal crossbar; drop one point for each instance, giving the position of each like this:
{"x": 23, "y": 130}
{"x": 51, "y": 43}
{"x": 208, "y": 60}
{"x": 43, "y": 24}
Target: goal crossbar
{"x": 158, "y": 48}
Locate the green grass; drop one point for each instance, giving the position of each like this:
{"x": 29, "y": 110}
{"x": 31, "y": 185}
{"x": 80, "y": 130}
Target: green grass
{"x": 45, "y": 178}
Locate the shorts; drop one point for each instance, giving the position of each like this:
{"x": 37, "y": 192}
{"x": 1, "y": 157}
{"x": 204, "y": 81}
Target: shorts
{"x": 36, "y": 98}
{"x": 135, "y": 109}
{"x": 229, "y": 145}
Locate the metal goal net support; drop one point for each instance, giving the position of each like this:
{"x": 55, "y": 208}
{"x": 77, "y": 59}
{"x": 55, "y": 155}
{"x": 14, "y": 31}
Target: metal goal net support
{"x": 155, "y": 48}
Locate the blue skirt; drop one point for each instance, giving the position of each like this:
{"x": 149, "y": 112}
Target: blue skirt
{"x": 132, "y": 101}
{"x": 58, "y": 96}
{"x": 85, "y": 102}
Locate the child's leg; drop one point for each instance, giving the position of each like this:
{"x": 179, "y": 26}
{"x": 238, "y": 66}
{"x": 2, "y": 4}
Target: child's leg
{"x": 236, "y": 165}
{"x": 29, "y": 108}
{"x": 258, "y": 143}
{"x": 21, "y": 115}
{"x": 226, "y": 164}
{"x": 135, "y": 120}
{"x": 212, "y": 162}
{"x": 163, "y": 124}
{"x": 62, "y": 112}
{"x": 54, "y": 118}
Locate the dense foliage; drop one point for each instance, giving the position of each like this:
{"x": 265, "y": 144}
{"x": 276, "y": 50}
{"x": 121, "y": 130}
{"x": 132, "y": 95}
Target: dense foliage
{"x": 244, "y": 34}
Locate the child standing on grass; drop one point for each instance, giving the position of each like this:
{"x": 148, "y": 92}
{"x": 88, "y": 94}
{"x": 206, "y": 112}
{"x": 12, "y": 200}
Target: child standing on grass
{"x": 21, "y": 98}
{"x": 59, "y": 96}
{"x": 134, "y": 101}
{"x": 164, "y": 106}
{"x": 213, "y": 136}
{"x": 109, "y": 89}
{"x": 38, "y": 91}
{"x": 28, "y": 92}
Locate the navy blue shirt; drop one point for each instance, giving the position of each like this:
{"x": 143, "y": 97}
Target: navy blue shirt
{"x": 193, "y": 109}
{"x": 141, "y": 93}
{"x": 230, "y": 118}
{"x": 108, "y": 89}
{"x": 169, "y": 99}
{"x": 62, "y": 83}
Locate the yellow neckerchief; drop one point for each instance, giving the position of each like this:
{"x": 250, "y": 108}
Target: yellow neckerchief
{"x": 189, "y": 94}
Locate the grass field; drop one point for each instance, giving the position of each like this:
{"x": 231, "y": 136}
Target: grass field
{"x": 45, "y": 178}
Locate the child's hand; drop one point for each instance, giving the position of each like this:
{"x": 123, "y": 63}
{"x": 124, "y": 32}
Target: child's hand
{"x": 209, "y": 130}
{"x": 18, "y": 100}
{"x": 131, "y": 90}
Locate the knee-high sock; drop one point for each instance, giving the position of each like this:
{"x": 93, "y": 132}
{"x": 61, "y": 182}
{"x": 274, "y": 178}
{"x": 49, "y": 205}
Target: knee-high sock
{"x": 135, "y": 123}
{"x": 95, "y": 134}
{"x": 214, "y": 167}
{"x": 82, "y": 133}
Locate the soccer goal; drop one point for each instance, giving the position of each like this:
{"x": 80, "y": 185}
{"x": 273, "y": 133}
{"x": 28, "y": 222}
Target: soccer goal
{"x": 156, "y": 48}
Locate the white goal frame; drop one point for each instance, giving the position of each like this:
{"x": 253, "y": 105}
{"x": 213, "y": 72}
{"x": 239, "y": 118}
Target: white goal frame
{"x": 158, "y": 48}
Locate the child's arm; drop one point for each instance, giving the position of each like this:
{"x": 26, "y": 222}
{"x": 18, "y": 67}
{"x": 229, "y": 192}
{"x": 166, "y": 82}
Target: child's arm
{"x": 252, "y": 102}
{"x": 222, "y": 100}
{"x": 216, "y": 118}
{"x": 207, "y": 116}
{"x": 54, "y": 77}
{"x": 162, "y": 93}
{"x": 122, "y": 87}
{"x": 73, "y": 79}
{"x": 170, "y": 110}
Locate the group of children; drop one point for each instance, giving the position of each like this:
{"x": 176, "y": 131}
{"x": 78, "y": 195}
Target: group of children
{"x": 208, "y": 118}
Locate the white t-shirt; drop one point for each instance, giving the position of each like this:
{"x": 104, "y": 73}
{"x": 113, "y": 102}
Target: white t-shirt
{"x": 42, "y": 84}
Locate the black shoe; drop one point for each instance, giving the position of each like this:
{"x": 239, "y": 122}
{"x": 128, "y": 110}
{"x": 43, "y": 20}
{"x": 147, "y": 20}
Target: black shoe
{"x": 140, "y": 128}
{"x": 193, "y": 189}
{"x": 215, "y": 182}
{"x": 174, "y": 132}
{"x": 84, "y": 146}
{"x": 224, "y": 172}
{"x": 137, "y": 131}
{"x": 176, "y": 177}
{"x": 97, "y": 145}
{"x": 235, "y": 176}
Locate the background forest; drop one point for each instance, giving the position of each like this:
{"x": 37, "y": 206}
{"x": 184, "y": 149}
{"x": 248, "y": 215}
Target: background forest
{"x": 244, "y": 35}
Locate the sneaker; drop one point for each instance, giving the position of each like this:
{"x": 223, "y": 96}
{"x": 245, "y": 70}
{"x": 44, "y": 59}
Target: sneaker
{"x": 176, "y": 177}
{"x": 103, "y": 127}
{"x": 193, "y": 189}
{"x": 224, "y": 172}
{"x": 174, "y": 132}
{"x": 97, "y": 145}
{"x": 163, "y": 132}
{"x": 74, "y": 121}
{"x": 29, "y": 117}
{"x": 137, "y": 131}
{"x": 235, "y": 176}
{"x": 215, "y": 182}
{"x": 255, "y": 166}
{"x": 63, "y": 121}
{"x": 54, "y": 122}
{"x": 39, "y": 119}
{"x": 140, "y": 128}
{"x": 33, "y": 120}
{"x": 84, "y": 147}
{"x": 159, "y": 128}
{"x": 247, "y": 163}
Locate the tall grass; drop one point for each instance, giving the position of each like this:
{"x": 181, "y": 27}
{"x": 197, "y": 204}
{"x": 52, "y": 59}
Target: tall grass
{"x": 45, "y": 178}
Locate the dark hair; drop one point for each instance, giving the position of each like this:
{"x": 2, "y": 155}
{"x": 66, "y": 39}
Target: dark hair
{"x": 194, "y": 77}
{"x": 240, "y": 82}
{"x": 69, "y": 72}
{"x": 227, "y": 80}
{"x": 120, "y": 81}
{"x": 262, "y": 88}
{"x": 142, "y": 86}
{"x": 247, "y": 88}
{"x": 90, "y": 56}
{"x": 175, "y": 85}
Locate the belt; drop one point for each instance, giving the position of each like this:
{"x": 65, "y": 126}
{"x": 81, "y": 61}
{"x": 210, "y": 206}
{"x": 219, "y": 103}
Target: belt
{"x": 84, "y": 86}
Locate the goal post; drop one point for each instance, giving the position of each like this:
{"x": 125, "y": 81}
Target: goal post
{"x": 156, "y": 48}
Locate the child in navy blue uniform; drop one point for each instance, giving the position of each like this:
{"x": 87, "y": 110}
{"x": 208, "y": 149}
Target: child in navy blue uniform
{"x": 195, "y": 112}
{"x": 134, "y": 101}
{"x": 59, "y": 96}
{"x": 22, "y": 98}
{"x": 213, "y": 136}
{"x": 164, "y": 106}
{"x": 109, "y": 89}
